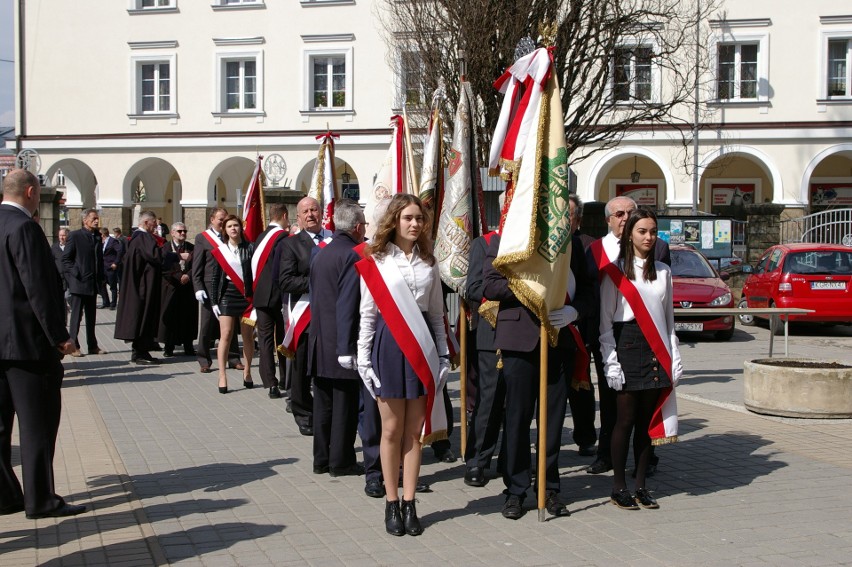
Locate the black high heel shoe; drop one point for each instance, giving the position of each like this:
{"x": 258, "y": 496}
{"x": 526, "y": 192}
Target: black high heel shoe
{"x": 248, "y": 385}
{"x": 223, "y": 389}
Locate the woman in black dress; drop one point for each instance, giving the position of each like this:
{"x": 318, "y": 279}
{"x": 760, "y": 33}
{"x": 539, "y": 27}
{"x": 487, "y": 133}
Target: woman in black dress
{"x": 230, "y": 304}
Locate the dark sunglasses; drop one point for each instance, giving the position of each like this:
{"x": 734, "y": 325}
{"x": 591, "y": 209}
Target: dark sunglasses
{"x": 619, "y": 214}
{"x": 183, "y": 231}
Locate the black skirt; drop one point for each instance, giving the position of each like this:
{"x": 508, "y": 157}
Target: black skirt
{"x": 391, "y": 367}
{"x": 642, "y": 370}
{"x": 233, "y": 303}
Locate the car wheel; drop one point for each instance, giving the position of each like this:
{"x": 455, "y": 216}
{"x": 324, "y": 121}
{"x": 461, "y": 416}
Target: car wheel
{"x": 725, "y": 335}
{"x": 779, "y": 326}
{"x": 745, "y": 320}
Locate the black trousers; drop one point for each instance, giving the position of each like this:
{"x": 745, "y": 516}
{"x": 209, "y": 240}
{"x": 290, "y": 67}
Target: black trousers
{"x": 335, "y": 421}
{"x": 32, "y": 391}
{"x": 442, "y": 445}
{"x": 81, "y": 304}
{"x": 488, "y": 412}
{"x": 111, "y": 281}
{"x": 208, "y": 331}
{"x": 582, "y": 404}
{"x": 521, "y": 375}
{"x": 606, "y": 405}
{"x": 270, "y": 330}
{"x": 370, "y": 432}
{"x": 301, "y": 400}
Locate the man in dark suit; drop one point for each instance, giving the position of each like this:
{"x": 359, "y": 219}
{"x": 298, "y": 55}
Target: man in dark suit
{"x": 293, "y": 277}
{"x": 335, "y": 302}
{"x": 58, "y": 249}
{"x": 178, "y": 308}
{"x": 33, "y": 340}
{"x": 203, "y": 266}
{"x": 113, "y": 252}
{"x": 267, "y": 299}
{"x": 517, "y": 336}
{"x": 83, "y": 260}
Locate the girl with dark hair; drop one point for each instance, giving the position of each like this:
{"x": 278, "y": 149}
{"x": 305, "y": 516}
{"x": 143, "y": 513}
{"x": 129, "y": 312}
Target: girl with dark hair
{"x": 640, "y": 352}
{"x": 232, "y": 292}
{"x": 402, "y": 349}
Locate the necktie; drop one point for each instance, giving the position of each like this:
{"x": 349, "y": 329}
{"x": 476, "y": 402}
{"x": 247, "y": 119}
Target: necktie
{"x": 317, "y": 238}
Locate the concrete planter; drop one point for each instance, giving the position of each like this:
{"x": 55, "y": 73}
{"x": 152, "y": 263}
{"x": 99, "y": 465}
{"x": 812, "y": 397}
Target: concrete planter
{"x": 796, "y": 387}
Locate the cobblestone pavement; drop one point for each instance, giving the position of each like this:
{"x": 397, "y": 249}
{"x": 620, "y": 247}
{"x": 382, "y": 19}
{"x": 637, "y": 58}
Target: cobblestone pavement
{"x": 175, "y": 473}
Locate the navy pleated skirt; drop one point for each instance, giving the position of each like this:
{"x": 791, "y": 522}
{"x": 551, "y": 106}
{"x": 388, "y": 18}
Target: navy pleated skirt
{"x": 642, "y": 370}
{"x": 390, "y": 365}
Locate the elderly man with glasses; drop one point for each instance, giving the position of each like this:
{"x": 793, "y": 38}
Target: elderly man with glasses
{"x": 179, "y": 312}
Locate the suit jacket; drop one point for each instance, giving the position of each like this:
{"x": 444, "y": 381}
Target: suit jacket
{"x": 267, "y": 291}
{"x": 475, "y": 284}
{"x": 203, "y": 263}
{"x": 83, "y": 260}
{"x": 32, "y": 306}
{"x": 57, "y": 251}
{"x": 334, "y": 323}
{"x": 662, "y": 253}
{"x": 295, "y": 264}
{"x": 113, "y": 253}
{"x": 517, "y": 327}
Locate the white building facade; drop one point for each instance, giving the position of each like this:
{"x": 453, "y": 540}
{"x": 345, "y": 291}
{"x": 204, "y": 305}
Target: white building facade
{"x": 179, "y": 96}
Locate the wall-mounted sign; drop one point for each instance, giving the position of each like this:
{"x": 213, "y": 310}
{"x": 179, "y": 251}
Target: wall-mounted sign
{"x": 732, "y": 194}
{"x": 830, "y": 194}
{"x": 645, "y": 194}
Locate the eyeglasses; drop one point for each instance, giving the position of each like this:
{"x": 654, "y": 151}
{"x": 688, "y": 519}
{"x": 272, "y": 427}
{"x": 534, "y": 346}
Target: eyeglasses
{"x": 182, "y": 231}
{"x": 619, "y": 214}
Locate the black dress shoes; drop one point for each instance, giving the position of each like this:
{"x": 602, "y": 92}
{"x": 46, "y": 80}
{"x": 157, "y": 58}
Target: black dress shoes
{"x": 644, "y": 499}
{"x": 475, "y": 476}
{"x": 624, "y": 500}
{"x": 147, "y": 361}
{"x": 553, "y": 506}
{"x": 61, "y": 512}
{"x": 410, "y": 521}
{"x": 393, "y": 518}
{"x": 446, "y": 456}
{"x": 320, "y": 469}
{"x": 274, "y": 393}
{"x": 168, "y": 353}
{"x": 374, "y": 488}
{"x": 513, "y": 508}
{"x": 306, "y": 430}
{"x": 351, "y": 470}
{"x": 600, "y": 466}
{"x": 587, "y": 450}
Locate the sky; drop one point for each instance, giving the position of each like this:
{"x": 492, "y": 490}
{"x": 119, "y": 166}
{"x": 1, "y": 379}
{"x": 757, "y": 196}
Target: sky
{"x": 7, "y": 70}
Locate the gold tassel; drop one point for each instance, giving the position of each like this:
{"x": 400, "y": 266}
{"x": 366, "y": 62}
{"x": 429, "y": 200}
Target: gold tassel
{"x": 499, "y": 359}
{"x": 664, "y": 440}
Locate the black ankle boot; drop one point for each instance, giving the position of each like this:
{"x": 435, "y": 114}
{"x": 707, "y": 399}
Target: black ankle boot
{"x": 393, "y": 520}
{"x": 409, "y": 518}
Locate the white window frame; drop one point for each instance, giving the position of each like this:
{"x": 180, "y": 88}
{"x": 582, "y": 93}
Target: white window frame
{"x": 136, "y": 7}
{"x": 825, "y": 37}
{"x": 308, "y": 56}
{"x": 762, "y": 41}
{"x": 400, "y": 83}
{"x": 220, "y": 98}
{"x": 136, "y": 63}
{"x": 237, "y": 4}
{"x": 656, "y": 75}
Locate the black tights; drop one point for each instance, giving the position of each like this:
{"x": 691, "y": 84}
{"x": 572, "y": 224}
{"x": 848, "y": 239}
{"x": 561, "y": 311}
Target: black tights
{"x": 635, "y": 410}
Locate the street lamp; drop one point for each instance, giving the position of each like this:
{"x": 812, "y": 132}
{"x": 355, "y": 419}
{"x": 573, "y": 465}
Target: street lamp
{"x": 345, "y": 177}
{"x": 634, "y": 177}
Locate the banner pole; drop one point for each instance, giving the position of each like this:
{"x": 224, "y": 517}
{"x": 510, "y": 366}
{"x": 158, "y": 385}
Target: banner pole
{"x": 541, "y": 453}
{"x": 463, "y": 372}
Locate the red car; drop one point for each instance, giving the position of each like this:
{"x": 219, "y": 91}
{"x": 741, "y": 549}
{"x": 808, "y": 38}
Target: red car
{"x": 697, "y": 284}
{"x": 807, "y": 276}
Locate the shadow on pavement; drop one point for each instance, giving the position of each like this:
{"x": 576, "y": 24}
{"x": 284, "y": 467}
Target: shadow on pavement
{"x": 720, "y": 376}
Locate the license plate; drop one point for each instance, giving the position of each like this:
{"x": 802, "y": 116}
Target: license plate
{"x": 689, "y": 326}
{"x": 828, "y": 285}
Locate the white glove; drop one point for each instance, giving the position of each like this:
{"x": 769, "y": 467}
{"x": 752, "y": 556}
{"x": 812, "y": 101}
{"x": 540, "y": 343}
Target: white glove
{"x": 615, "y": 379}
{"x": 347, "y": 362}
{"x": 371, "y": 381}
{"x": 563, "y": 316}
{"x": 216, "y": 310}
{"x": 201, "y": 296}
{"x": 443, "y": 375}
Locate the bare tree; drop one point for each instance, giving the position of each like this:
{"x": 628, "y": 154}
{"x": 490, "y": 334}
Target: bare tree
{"x": 624, "y": 64}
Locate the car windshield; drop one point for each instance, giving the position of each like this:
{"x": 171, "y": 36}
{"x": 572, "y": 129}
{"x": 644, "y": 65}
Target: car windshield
{"x": 825, "y": 262}
{"x": 690, "y": 264}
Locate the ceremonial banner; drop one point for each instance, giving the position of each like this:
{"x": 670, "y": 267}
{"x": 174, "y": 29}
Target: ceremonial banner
{"x": 253, "y": 213}
{"x": 393, "y": 176}
{"x": 323, "y": 185}
{"x": 535, "y": 244}
{"x": 432, "y": 172}
{"x": 462, "y": 215}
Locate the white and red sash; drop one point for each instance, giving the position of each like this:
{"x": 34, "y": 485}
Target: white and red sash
{"x": 411, "y": 333}
{"x": 663, "y": 426}
{"x": 233, "y": 268}
{"x": 299, "y": 319}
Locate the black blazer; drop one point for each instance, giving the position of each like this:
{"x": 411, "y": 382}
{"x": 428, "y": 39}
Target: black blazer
{"x": 113, "y": 253}
{"x": 203, "y": 263}
{"x": 57, "y": 251}
{"x": 475, "y": 284}
{"x": 295, "y": 264}
{"x": 267, "y": 291}
{"x": 220, "y": 281}
{"x": 517, "y": 327}
{"x": 83, "y": 260}
{"x": 32, "y": 306}
{"x": 335, "y": 304}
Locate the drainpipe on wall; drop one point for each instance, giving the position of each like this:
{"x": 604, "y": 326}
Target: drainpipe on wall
{"x": 22, "y": 100}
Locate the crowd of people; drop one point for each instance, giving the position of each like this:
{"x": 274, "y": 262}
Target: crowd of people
{"x": 364, "y": 326}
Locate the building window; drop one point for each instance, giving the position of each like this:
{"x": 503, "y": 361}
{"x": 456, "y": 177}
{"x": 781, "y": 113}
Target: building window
{"x": 737, "y": 71}
{"x": 147, "y": 4}
{"x": 235, "y": 2}
{"x": 153, "y": 79}
{"x": 328, "y": 82}
{"x": 240, "y": 85}
{"x": 632, "y": 74}
{"x": 839, "y": 55}
{"x": 411, "y": 92}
